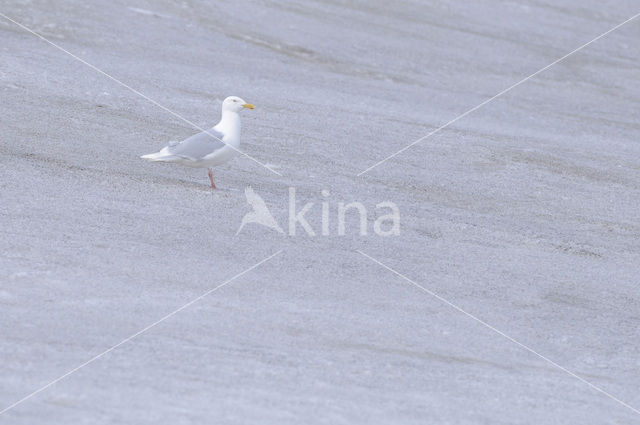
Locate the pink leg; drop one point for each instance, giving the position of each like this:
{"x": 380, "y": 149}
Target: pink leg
{"x": 213, "y": 185}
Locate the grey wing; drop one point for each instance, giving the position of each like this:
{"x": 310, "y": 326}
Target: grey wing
{"x": 199, "y": 145}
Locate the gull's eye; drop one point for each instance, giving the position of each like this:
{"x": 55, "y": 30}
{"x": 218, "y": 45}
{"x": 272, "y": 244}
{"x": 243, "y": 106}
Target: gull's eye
{"x": 234, "y": 100}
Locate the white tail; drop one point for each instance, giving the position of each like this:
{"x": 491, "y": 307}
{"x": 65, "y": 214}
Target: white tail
{"x": 163, "y": 155}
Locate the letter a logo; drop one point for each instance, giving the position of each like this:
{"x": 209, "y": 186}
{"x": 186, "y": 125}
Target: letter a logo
{"x": 260, "y": 213}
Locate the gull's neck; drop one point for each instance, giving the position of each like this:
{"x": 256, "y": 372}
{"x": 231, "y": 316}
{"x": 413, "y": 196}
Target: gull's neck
{"x": 230, "y": 124}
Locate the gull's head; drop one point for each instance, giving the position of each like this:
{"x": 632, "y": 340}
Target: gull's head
{"x": 235, "y": 104}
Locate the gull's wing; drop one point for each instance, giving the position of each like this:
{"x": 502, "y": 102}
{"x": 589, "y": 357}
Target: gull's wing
{"x": 198, "y": 146}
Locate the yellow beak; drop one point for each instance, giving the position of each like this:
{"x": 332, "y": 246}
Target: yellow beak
{"x": 248, "y": 105}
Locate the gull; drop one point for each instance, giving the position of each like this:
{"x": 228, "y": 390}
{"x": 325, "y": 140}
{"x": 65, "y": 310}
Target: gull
{"x": 211, "y": 147}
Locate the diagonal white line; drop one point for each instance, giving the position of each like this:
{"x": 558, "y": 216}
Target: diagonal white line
{"x": 499, "y": 332}
{"x": 136, "y": 91}
{"x": 129, "y": 338}
{"x": 497, "y": 95}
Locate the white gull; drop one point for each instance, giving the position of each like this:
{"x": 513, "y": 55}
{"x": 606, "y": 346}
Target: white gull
{"x": 211, "y": 147}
